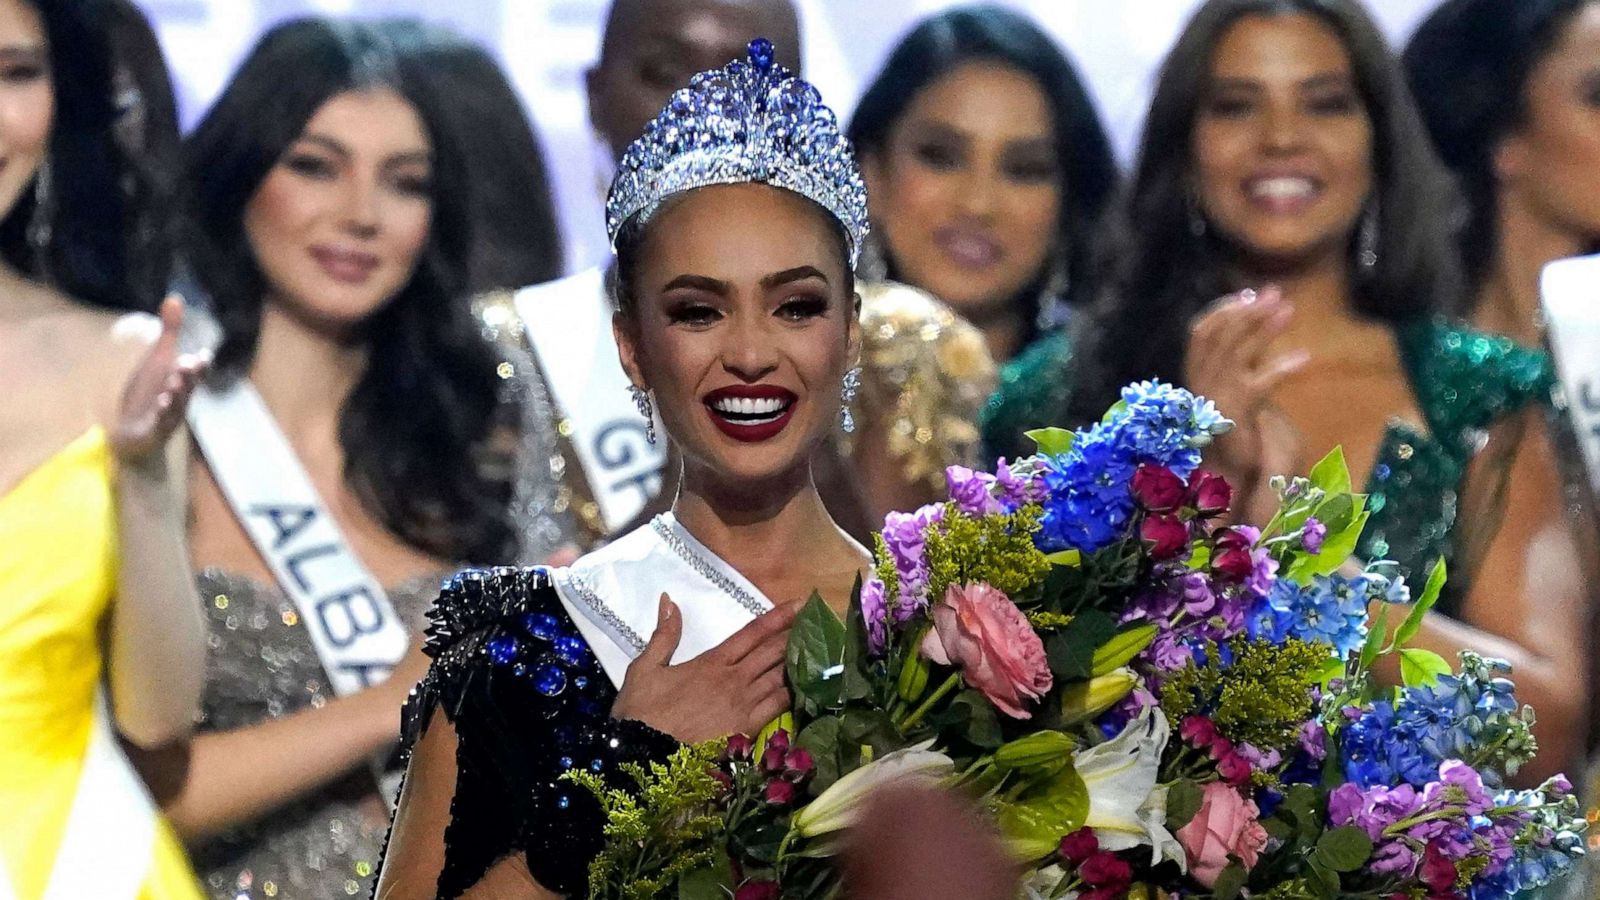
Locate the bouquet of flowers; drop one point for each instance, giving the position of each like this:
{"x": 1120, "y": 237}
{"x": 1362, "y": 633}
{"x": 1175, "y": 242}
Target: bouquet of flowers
{"x": 1147, "y": 701}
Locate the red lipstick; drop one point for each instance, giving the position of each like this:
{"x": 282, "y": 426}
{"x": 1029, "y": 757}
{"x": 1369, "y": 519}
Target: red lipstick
{"x": 750, "y": 413}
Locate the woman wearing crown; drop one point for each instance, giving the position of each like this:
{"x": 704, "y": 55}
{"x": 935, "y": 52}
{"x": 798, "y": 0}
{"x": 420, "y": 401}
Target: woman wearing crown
{"x": 736, "y": 220}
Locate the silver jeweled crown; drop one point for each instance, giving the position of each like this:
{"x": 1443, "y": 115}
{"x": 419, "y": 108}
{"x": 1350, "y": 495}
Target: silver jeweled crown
{"x": 748, "y": 122}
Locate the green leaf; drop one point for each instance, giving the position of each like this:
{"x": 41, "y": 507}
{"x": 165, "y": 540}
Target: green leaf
{"x": 1374, "y": 645}
{"x": 1323, "y": 880}
{"x": 1052, "y": 441}
{"x": 1121, "y": 648}
{"x": 709, "y": 882}
{"x": 1183, "y": 801}
{"x": 857, "y": 684}
{"x": 1199, "y": 557}
{"x": 1343, "y": 849}
{"x": 1035, "y": 824}
{"x": 1230, "y": 881}
{"x": 815, "y": 657}
{"x": 1117, "y": 409}
{"x": 1071, "y": 650}
{"x": 1421, "y": 668}
{"x": 983, "y": 724}
{"x": 1336, "y": 549}
{"x": 1430, "y": 595}
{"x": 1332, "y": 668}
{"x": 1071, "y": 558}
{"x": 822, "y": 740}
{"x": 1331, "y": 473}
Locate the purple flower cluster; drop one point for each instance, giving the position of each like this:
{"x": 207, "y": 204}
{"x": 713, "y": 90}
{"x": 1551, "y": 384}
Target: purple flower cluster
{"x": 905, "y": 534}
{"x": 1422, "y": 834}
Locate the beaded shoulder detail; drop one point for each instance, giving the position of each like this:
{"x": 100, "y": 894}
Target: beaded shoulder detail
{"x": 1466, "y": 379}
{"x": 475, "y": 601}
{"x": 1035, "y": 387}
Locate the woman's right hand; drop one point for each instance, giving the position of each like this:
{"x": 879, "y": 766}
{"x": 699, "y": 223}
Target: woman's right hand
{"x": 1229, "y": 361}
{"x": 736, "y": 687}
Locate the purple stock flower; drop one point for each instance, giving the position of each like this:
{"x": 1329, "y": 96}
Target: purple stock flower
{"x": 972, "y": 491}
{"x": 1018, "y": 490}
{"x": 1312, "y": 535}
{"x": 875, "y": 613}
{"x": 905, "y": 535}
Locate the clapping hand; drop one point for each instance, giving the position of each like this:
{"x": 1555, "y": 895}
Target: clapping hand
{"x": 1230, "y": 361}
{"x": 736, "y": 687}
{"x": 157, "y": 392}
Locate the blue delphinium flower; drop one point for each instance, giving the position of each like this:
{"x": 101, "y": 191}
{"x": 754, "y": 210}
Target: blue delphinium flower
{"x": 1331, "y": 610}
{"x": 1089, "y": 503}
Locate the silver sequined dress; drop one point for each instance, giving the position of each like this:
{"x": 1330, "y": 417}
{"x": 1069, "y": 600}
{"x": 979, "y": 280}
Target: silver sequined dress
{"x": 260, "y": 665}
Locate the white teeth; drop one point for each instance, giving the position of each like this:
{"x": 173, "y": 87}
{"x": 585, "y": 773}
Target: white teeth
{"x": 748, "y": 406}
{"x": 1285, "y": 188}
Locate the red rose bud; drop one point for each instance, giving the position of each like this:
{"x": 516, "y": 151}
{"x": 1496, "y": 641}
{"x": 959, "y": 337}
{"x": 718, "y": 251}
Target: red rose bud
{"x": 757, "y": 890}
{"x": 1210, "y": 494}
{"x": 1106, "y": 870}
{"x": 723, "y": 778}
{"x": 1235, "y": 564}
{"x": 780, "y": 793}
{"x": 772, "y": 755}
{"x": 1079, "y": 846}
{"x": 1158, "y": 488}
{"x": 740, "y": 747}
{"x": 1199, "y": 731}
{"x": 1438, "y": 872}
{"x": 798, "y": 763}
{"x": 1234, "y": 769}
{"x": 1166, "y": 535}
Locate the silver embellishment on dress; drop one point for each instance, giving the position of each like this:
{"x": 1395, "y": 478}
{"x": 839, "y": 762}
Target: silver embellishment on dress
{"x": 749, "y": 122}
{"x": 580, "y": 586}
{"x": 669, "y": 534}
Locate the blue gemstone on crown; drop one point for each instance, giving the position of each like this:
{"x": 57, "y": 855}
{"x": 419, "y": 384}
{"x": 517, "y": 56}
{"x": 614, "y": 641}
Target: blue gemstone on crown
{"x": 751, "y": 121}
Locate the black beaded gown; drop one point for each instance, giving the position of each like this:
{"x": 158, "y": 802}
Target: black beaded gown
{"x": 526, "y": 663}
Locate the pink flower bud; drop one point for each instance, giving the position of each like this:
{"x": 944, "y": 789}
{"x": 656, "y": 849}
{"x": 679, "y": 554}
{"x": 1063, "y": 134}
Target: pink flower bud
{"x": 1166, "y": 535}
{"x": 798, "y": 763}
{"x": 1210, "y": 494}
{"x": 757, "y": 890}
{"x": 1199, "y": 731}
{"x": 1158, "y": 489}
{"x": 740, "y": 746}
{"x": 780, "y": 792}
{"x": 1079, "y": 846}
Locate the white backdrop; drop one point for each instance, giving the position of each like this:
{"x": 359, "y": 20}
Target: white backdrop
{"x": 546, "y": 44}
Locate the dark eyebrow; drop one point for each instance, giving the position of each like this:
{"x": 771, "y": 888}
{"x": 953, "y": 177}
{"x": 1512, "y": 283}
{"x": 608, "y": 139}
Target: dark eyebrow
{"x": 421, "y": 157}
{"x": 327, "y": 143}
{"x": 26, "y": 51}
{"x": 1329, "y": 79}
{"x": 797, "y": 273}
{"x": 699, "y": 283}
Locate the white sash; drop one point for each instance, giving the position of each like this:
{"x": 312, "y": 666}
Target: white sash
{"x": 346, "y": 613}
{"x": 109, "y": 843}
{"x": 569, "y": 328}
{"x": 1571, "y": 299}
{"x": 612, "y": 596}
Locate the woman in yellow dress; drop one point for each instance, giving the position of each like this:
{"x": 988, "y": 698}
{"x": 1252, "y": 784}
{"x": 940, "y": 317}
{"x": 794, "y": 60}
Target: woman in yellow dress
{"x": 100, "y": 635}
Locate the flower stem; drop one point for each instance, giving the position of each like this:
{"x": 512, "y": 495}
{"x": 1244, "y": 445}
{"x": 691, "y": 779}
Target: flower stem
{"x": 944, "y": 689}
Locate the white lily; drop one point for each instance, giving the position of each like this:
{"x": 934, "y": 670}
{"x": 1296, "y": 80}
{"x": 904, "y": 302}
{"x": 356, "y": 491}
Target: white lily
{"x": 1126, "y": 807}
{"x": 840, "y": 804}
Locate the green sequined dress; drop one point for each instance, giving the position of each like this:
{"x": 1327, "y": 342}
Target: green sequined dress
{"x": 1035, "y": 386}
{"x": 1465, "y": 382}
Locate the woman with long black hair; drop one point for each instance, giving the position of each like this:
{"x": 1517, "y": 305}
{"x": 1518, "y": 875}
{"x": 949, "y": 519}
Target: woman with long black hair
{"x": 1284, "y": 159}
{"x": 350, "y": 445}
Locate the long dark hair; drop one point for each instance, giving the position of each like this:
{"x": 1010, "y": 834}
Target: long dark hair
{"x": 106, "y": 206}
{"x": 1159, "y": 274}
{"x": 417, "y": 423}
{"x": 1469, "y": 64}
{"x": 516, "y": 240}
{"x": 943, "y": 43}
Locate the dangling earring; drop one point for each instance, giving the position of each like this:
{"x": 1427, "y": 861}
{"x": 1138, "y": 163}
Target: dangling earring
{"x": 1053, "y": 308}
{"x": 40, "y": 230}
{"x": 1367, "y": 241}
{"x": 847, "y": 394}
{"x": 1197, "y": 219}
{"x": 641, "y": 399}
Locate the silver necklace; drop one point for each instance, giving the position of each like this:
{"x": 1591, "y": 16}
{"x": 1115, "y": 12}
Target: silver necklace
{"x": 669, "y": 533}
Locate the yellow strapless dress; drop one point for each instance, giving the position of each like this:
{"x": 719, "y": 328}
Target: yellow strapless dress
{"x": 75, "y": 821}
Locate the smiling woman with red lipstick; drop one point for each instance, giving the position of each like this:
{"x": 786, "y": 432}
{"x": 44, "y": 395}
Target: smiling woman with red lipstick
{"x": 1284, "y": 159}
{"x": 736, "y": 220}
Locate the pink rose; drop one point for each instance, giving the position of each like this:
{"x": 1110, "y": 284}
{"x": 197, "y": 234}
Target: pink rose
{"x": 980, "y": 630}
{"x": 1224, "y": 826}
{"x": 1158, "y": 489}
